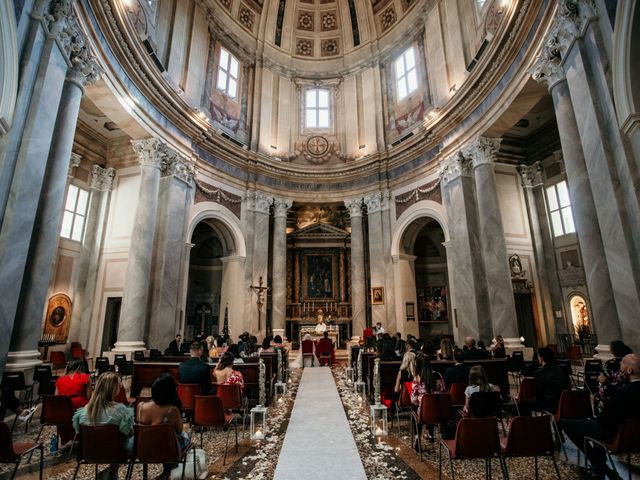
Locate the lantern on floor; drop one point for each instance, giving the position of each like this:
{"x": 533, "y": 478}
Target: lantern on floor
{"x": 379, "y": 426}
{"x": 258, "y": 428}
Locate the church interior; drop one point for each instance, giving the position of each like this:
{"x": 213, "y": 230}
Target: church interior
{"x": 277, "y": 238}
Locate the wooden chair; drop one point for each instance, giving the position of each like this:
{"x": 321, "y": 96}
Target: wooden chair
{"x": 208, "y": 412}
{"x": 475, "y": 438}
{"x": 233, "y": 400}
{"x": 626, "y": 442}
{"x": 154, "y": 444}
{"x": 100, "y": 445}
{"x": 11, "y": 452}
{"x": 435, "y": 409}
{"x": 187, "y": 392}
{"x": 529, "y": 437}
{"x": 307, "y": 352}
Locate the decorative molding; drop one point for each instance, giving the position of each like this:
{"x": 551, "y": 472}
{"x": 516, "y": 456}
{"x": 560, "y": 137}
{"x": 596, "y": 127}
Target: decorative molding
{"x": 102, "y": 178}
{"x": 531, "y": 175}
{"x": 259, "y": 202}
{"x": 354, "y": 206}
{"x": 280, "y": 207}
{"x": 179, "y": 167}
{"x": 152, "y": 152}
{"x": 482, "y": 151}
{"x": 209, "y": 193}
{"x": 428, "y": 191}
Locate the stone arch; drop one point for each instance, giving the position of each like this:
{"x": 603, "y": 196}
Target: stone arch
{"x": 223, "y": 222}
{"x": 421, "y": 209}
{"x": 8, "y": 65}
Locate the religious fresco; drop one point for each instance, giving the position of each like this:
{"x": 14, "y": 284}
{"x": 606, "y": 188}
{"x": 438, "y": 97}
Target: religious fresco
{"x": 580, "y": 317}
{"x": 58, "y": 318}
{"x": 318, "y": 276}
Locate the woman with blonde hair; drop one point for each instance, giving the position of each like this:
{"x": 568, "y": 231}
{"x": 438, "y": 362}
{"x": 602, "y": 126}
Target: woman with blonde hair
{"x": 101, "y": 409}
{"x": 446, "y": 350}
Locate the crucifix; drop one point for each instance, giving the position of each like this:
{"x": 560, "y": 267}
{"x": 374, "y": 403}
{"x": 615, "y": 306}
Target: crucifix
{"x": 260, "y": 290}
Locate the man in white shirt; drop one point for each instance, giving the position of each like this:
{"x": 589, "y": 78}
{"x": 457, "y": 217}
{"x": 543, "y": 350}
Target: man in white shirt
{"x": 379, "y": 329}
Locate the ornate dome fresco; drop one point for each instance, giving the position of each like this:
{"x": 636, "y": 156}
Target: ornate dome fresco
{"x": 314, "y": 96}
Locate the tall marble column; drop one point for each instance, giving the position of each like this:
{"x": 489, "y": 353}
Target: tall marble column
{"x": 601, "y": 281}
{"x": 44, "y": 239}
{"x": 23, "y": 166}
{"x": 376, "y": 253}
{"x": 548, "y": 284}
{"x": 279, "y": 265}
{"x": 170, "y": 256}
{"x": 258, "y": 258}
{"x": 482, "y": 152}
{"x": 471, "y": 313}
{"x": 85, "y": 271}
{"x": 153, "y": 154}
{"x": 358, "y": 287}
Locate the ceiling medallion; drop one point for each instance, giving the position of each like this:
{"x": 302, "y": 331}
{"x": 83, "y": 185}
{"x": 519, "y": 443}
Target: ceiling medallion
{"x": 317, "y": 146}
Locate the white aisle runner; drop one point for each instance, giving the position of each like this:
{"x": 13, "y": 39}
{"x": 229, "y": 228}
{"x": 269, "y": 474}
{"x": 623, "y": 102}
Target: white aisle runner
{"x": 318, "y": 443}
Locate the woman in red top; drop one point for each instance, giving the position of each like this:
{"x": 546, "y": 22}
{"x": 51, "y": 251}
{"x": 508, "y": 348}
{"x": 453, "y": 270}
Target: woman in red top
{"x": 75, "y": 384}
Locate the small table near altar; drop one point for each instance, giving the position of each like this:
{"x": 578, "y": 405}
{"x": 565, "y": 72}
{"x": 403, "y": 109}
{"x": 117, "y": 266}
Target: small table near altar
{"x": 333, "y": 331}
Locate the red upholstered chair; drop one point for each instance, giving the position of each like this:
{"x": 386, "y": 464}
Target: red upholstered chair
{"x": 486, "y": 404}
{"x": 208, "y": 412}
{"x": 456, "y": 390}
{"x": 155, "y": 444}
{"x": 403, "y": 404}
{"x": 530, "y": 437}
{"x": 11, "y": 452}
{"x": 367, "y": 332}
{"x": 307, "y": 351}
{"x": 526, "y": 392}
{"x": 435, "y": 409}
{"x": 57, "y": 411}
{"x": 233, "y": 400}
{"x": 324, "y": 349}
{"x": 121, "y": 397}
{"x": 573, "y": 405}
{"x": 475, "y": 438}
{"x": 58, "y": 360}
{"x": 626, "y": 442}
{"x": 186, "y": 392}
{"x": 100, "y": 445}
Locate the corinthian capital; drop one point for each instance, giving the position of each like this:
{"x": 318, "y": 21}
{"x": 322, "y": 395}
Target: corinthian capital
{"x": 531, "y": 175}
{"x": 373, "y": 202}
{"x": 102, "y": 178}
{"x": 454, "y": 167}
{"x": 577, "y": 14}
{"x": 84, "y": 68}
{"x": 482, "y": 151}
{"x": 179, "y": 167}
{"x": 280, "y": 207}
{"x": 259, "y": 202}
{"x": 152, "y": 152}
{"x": 74, "y": 162}
{"x": 354, "y": 206}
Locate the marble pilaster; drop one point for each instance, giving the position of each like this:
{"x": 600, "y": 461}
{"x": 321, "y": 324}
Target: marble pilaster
{"x": 153, "y": 155}
{"x": 232, "y": 295}
{"x": 358, "y": 287}
{"x": 170, "y": 257}
{"x": 85, "y": 271}
{"x": 471, "y": 313}
{"x": 374, "y": 204}
{"x": 258, "y": 233}
{"x": 279, "y": 263}
{"x": 548, "y": 284}
{"x": 44, "y": 239}
{"x": 482, "y": 152}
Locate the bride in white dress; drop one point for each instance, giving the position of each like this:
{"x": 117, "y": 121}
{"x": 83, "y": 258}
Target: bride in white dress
{"x": 299, "y": 361}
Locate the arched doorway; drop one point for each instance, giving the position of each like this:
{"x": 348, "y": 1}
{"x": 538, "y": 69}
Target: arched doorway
{"x": 423, "y": 242}
{"x": 204, "y": 309}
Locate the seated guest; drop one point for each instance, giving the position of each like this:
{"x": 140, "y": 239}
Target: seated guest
{"x": 622, "y": 405}
{"x": 408, "y": 366}
{"x": 266, "y": 346}
{"x": 425, "y": 381}
{"x": 225, "y": 374}
{"x": 235, "y": 351}
{"x": 459, "y": 372}
{"x": 498, "y": 348}
{"x": 469, "y": 349}
{"x": 195, "y": 370}
{"x": 385, "y": 351}
{"x": 551, "y": 380}
{"x": 221, "y": 345}
{"x": 611, "y": 378}
{"x": 478, "y": 382}
{"x": 277, "y": 343}
{"x": 242, "y": 341}
{"x": 75, "y": 384}
{"x": 370, "y": 344}
{"x": 482, "y": 350}
{"x": 325, "y": 345}
{"x": 210, "y": 344}
{"x": 102, "y": 409}
{"x": 175, "y": 346}
{"x": 164, "y": 407}
{"x": 250, "y": 349}
{"x": 429, "y": 349}
{"x": 379, "y": 329}
{"x": 446, "y": 350}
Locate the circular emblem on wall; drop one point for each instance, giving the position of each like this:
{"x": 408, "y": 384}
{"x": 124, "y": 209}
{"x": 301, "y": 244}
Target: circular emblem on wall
{"x": 58, "y": 310}
{"x": 317, "y": 146}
